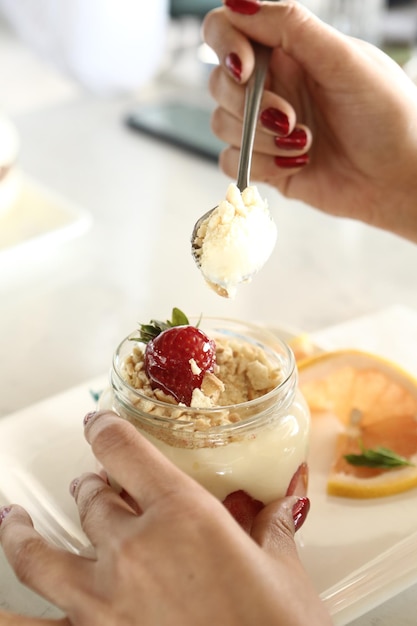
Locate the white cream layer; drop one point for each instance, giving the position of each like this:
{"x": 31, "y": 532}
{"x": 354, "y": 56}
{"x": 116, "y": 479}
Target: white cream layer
{"x": 237, "y": 239}
{"x": 261, "y": 463}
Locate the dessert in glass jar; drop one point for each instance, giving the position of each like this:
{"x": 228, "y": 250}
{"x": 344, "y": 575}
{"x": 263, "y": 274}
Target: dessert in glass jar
{"x": 219, "y": 398}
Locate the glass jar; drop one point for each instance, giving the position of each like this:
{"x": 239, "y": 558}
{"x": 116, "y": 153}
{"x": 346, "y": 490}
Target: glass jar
{"x": 256, "y": 446}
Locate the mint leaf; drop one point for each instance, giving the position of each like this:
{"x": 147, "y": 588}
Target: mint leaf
{"x": 379, "y": 458}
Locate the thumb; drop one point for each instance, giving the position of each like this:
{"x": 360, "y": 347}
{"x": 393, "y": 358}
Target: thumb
{"x": 274, "y": 527}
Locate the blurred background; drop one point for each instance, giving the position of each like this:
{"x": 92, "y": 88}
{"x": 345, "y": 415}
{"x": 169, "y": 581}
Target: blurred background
{"x": 110, "y": 102}
{"x": 90, "y": 85}
{"x": 111, "y": 46}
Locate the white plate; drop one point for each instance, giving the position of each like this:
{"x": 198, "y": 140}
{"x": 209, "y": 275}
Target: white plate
{"x": 358, "y": 553}
{"x": 361, "y": 553}
{"x": 39, "y": 218}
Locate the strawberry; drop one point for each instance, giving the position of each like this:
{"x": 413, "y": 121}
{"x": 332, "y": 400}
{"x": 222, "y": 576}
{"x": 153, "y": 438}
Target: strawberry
{"x": 177, "y": 356}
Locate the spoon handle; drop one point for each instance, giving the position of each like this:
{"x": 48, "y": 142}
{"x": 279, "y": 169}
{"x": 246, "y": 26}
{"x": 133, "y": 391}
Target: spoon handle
{"x": 253, "y": 97}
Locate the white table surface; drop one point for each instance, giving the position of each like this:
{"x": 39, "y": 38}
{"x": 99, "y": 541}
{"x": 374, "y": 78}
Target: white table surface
{"x": 64, "y": 309}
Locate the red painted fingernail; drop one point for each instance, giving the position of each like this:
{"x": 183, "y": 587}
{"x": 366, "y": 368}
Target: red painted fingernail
{"x": 243, "y": 508}
{"x": 246, "y": 7}
{"x": 88, "y": 417}
{"x": 234, "y": 65}
{"x": 290, "y": 162}
{"x": 294, "y": 141}
{"x": 275, "y": 120}
{"x": 299, "y": 482}
{"x": 299, "y": 512}
{"x": 5, "y": 510}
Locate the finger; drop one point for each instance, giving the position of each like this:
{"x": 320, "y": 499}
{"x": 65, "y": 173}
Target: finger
{"x": 226, "y": 40}
{"x": 231, "y": 98}
{"x": 11, "y": 619}
{"x": 101, "y": 509}
{"x": 149, "y": 475}
{"x": 275, "y": 525}
{"x": 276, "y": 171}
{"x": 243, "y": 508}
{"x": 318, "y": 47}
{"x": 122, "y": 492}
{"x": 273, "y": 529}
{"x": 229, "y": 130}
{"x": 299, "y": 482}
{"x": 50, "y": 572}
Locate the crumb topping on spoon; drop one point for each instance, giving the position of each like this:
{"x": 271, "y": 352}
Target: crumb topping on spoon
{"x": 235, "y": 241}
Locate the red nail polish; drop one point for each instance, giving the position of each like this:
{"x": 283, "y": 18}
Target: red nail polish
{"x": 234, "y": 65}
{"x": 292, "y": 162}
{"x": 299, "y": 512}
{"x": 243, "y": 507}
{"x": 246, "y": 7}
{"x": 275, "y": 120}
{"x": 294, "y": 141}
{"x": 5, "y": 510}
{"x": 299, "y": 482}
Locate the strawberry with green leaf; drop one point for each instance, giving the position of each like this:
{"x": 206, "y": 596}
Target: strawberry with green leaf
{"x": 177, "y": 355}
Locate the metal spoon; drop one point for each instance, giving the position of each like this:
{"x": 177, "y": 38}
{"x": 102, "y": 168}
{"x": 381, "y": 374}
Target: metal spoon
{"x": 253, "y": 97}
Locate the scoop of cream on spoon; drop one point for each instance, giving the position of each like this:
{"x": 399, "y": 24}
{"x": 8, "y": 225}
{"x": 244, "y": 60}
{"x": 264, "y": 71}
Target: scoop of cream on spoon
{"x": 233, "y": 241}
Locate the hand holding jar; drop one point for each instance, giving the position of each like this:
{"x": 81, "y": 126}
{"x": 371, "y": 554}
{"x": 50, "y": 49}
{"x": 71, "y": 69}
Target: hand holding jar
{"x": 167, "y": 553}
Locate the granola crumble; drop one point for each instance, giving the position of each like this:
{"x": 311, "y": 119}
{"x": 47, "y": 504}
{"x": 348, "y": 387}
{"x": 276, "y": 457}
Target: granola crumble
{"x": 243, "y": 372}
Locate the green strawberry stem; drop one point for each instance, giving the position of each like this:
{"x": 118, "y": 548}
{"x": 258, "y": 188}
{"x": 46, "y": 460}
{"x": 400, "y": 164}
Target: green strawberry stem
{"x": 147, "y": 332}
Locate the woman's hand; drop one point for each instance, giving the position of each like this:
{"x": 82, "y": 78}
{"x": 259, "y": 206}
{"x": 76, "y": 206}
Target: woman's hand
{"x": 166, "y": 553}
{"x": 338, "y": 124}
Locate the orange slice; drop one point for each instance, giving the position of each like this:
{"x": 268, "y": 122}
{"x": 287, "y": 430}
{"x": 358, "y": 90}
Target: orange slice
{"x": 376, "y": 403}
{"x": 303, "y": 347}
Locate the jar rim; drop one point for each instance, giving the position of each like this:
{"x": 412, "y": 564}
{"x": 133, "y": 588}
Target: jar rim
{"x": 287, "y": 352}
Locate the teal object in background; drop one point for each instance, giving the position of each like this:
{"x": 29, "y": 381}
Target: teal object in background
{"x": 198, "y": 8}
